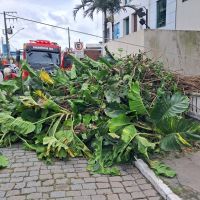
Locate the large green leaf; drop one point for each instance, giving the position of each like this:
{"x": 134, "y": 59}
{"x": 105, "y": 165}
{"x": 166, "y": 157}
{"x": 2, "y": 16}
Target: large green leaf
{"x": 135, "y": 100}
{"x": 121, "y": 152}
{"x": 18, "y": 125}
{"x": 177, "y": 132}
{"x": 97, "y": 163}
{"x": 118, "y": 122}
{"x": 162, "y": 169}
{"x": 169, "y": 107}
{"x": 3, "y": 161}
{"x": 128, "y": 134}
{"x": 170, "y": 143}
{"x": 144, "y": 145}
{"x": 113, "y": 110}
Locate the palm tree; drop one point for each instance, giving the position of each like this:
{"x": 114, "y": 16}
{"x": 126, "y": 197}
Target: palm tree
{"x": 104, "y": 6}
{"x": 114, "y": 7}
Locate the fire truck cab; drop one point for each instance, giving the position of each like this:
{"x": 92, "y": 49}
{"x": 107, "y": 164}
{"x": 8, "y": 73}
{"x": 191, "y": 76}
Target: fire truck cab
{"x": 42, "y": 54}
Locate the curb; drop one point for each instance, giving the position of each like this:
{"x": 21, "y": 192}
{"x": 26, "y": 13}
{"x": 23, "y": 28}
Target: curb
{"x": 158, "y": 184}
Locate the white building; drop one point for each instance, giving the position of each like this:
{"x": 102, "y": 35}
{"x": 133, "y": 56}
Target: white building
{"x": 162, "y": 14}
{"x": 173, "y": 37}
{"x": 126, "y": 22}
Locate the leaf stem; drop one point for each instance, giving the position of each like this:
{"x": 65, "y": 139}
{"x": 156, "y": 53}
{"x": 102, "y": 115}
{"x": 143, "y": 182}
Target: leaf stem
{"x": 52, "y": 116}
{"x": 150, "y": 135}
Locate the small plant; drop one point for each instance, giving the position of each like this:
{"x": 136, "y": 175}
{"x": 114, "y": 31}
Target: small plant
{"x": 3, "y": 161}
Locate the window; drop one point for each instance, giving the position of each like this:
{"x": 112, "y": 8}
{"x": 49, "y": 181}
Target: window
{"x": 117, "y": 31}
{"x": 126, "y": 26}
{"x": 161, "y": 13}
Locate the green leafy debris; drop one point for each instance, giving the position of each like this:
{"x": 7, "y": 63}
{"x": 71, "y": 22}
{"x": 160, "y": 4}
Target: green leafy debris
{"x": 108, "y": 111}
{"x": 162, "y": 169}
{"x": 135, "y": 100}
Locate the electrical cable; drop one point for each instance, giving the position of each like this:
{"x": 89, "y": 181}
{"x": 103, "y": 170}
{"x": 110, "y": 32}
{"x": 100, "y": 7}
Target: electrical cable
{"x": 97, "y": 36}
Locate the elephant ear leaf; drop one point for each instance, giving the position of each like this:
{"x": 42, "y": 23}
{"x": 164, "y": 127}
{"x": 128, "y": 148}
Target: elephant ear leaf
{"x": 177, "y": 132}
{"x": 3, "y": 161}
{"x": 18, "y": 125}
{"x": 135, "y": 100}
{"x": 170, "y": 143}
{"x": 169, "y": 107}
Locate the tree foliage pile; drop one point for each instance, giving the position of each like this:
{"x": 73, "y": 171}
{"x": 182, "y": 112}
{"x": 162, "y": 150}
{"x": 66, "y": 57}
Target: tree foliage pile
{"x": 111, "y": 111}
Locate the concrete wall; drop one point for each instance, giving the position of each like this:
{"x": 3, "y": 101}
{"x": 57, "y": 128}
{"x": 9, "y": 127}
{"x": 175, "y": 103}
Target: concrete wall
{"x": 130, "y": 44}
{"x": 170, "y": 14}
{"x": 188, "y": 15}
{"x": 178, "y": 50}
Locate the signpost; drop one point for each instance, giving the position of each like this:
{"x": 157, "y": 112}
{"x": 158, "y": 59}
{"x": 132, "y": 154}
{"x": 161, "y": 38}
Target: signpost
{"x": 79, "y": 50}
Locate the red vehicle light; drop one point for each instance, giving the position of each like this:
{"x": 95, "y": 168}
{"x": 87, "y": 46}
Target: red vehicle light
{"x": 40, "y": 41}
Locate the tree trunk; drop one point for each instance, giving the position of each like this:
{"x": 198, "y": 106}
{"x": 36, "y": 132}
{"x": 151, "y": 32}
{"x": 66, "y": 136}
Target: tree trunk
{"x": 105, "y": 27}
{"x": 112, "y": 26}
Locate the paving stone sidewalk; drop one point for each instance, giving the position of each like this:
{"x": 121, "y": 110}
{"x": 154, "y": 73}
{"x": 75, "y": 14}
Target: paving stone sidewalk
{"x": 28, "y": 178}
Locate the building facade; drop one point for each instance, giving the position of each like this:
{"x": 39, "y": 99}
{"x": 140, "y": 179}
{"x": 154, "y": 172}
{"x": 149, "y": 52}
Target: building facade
{"x": 162, "y": 14}
{"x": 126, "y": 21}
{"x": 173, "y": 37}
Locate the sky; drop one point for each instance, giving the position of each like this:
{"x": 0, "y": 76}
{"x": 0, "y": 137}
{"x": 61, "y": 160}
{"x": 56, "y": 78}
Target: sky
{"x": 56, "y": 12}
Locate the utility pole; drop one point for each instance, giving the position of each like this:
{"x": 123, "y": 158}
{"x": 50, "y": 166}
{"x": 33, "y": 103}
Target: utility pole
{"x": 69, "y": 39}
{"x": 7, "y": 40}
{"x": 6, "y": 31}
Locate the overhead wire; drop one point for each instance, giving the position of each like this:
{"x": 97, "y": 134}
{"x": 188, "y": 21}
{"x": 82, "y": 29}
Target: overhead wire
{"x": 97, "y": 36}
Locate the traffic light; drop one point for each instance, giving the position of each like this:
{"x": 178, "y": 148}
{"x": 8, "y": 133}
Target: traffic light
{"x": 140, "y": 12}
{"x": 142, "y": 21}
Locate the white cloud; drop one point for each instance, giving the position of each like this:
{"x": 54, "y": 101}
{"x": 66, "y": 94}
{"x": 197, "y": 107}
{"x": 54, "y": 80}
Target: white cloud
{"x": 58, "y": 13}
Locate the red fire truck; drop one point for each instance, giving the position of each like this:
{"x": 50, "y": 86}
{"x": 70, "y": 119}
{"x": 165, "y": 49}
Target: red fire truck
{"x": 45, "y": 54}
{"x": 42, "y": 54}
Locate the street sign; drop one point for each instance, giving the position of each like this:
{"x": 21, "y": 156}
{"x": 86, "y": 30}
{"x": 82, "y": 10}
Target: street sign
{"x": 78, "y": 46}
{"x": 79, "y": 50}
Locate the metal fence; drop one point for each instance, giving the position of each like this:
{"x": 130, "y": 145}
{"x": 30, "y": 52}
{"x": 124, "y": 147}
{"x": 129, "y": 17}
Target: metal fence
{"x": 194, "y": 109}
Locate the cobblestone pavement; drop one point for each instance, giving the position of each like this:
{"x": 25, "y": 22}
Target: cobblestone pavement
{"x": 28, "y": 178}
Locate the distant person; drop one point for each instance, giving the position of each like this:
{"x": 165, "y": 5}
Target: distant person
{"x": 13, "y": 66}
{"x": 8, "y": 74}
